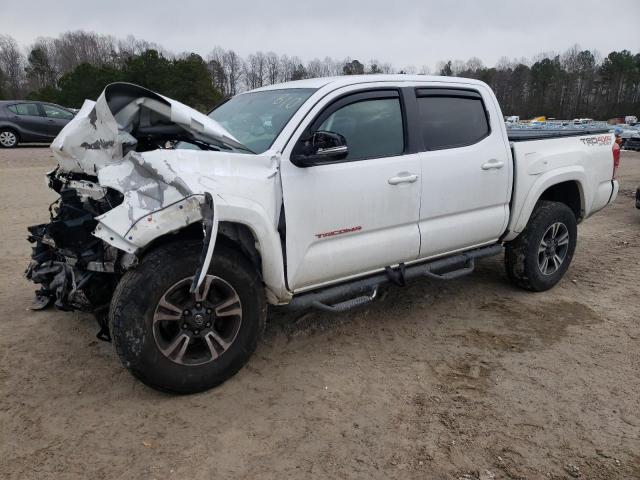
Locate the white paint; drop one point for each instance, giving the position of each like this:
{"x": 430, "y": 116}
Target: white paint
{"x": 453, "y": 205}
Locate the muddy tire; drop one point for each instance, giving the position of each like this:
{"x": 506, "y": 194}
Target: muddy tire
{"x": 539, "y": 257}
{"x": 178, "y": 342}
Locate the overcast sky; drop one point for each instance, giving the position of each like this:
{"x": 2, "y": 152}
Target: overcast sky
{"x": 401, "y": 32}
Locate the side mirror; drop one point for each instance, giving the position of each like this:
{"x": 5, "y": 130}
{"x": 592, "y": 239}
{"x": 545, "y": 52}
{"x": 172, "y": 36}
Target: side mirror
{"x": 321, "y": 147}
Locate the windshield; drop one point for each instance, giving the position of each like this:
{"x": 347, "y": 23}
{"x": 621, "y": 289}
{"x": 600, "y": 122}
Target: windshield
{"x": 256, "y": 119}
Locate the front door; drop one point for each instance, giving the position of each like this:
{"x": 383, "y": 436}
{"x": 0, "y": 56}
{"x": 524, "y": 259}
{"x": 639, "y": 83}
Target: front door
{"x": 356, "y": 214}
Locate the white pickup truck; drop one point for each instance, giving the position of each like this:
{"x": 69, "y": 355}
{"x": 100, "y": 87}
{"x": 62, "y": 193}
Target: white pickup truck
{"x": 177, "y": 229}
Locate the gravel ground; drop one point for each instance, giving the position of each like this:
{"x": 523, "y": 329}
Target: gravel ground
{"x": 472, "y": 379}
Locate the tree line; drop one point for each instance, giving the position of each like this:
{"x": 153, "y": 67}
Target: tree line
{"x": 77, "y": 65}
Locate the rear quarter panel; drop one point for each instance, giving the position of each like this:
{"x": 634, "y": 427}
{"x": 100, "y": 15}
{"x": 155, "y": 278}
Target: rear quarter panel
{"x": 540, "y": 164}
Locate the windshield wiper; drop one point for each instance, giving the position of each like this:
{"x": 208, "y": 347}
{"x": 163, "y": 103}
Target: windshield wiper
{"x": 247, "y": 149}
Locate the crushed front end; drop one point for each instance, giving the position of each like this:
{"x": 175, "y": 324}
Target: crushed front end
{"x": 123, "y": 185}
{"x": 74, "y": 269}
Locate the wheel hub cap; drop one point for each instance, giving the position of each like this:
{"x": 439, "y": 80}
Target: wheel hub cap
{"x": 7, "y": 139}
{"x": 553, "y": 248}
{"x": 193, "y": 329}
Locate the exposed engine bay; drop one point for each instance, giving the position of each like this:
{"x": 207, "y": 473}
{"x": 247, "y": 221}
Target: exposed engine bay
{"x": 114, "y": 201}
{"x": 75, "y": 270}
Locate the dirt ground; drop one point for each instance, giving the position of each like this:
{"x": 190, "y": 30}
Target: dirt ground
{"x": 472, "y": 379}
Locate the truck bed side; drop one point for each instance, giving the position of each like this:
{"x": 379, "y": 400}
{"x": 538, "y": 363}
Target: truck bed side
{"x": 585, "y": 162}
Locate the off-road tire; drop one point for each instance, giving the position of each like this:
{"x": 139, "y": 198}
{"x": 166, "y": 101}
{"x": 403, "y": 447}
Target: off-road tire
{"x": 136, "y": 298}
{"x": 521, "y": 254}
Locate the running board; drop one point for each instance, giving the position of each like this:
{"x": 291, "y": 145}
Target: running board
{"x": 363, "y": 291}
{"x": 468, "y": 268}
{"x": 347, "y": 304}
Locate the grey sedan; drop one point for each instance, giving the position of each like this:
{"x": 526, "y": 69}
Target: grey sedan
{"x": 30, "y": 121}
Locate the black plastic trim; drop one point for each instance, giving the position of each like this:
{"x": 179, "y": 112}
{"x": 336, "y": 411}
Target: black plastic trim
{"x": 447, "y": 92}
{"x": 413, "y": 135}
{"x": 526, "y": 135}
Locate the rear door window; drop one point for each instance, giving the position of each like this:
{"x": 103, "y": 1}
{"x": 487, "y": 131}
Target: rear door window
{"x": 25, "y": 109}
{"x": 451, "y": 118}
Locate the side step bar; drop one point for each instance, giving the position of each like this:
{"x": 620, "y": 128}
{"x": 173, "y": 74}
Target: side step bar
{"x": 363, "y": 291}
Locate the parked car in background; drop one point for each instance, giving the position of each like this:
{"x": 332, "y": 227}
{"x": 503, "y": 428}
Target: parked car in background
{"x": 28, "y": 121}
{"x": 630, "y": 137}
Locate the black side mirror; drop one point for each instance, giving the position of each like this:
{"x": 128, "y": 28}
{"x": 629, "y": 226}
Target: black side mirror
{"x": 321, "y": 147}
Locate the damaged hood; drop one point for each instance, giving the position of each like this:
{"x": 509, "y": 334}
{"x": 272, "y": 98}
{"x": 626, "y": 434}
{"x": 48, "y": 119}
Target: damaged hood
{"x": 163, "y": 189}
{"x": 105, "y": 130}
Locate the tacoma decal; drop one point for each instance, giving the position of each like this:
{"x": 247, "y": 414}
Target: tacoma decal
{"x": 339, "y": 232}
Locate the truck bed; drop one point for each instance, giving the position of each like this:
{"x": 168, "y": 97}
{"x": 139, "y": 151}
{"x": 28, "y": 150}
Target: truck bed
{"x": 521, "y": 135}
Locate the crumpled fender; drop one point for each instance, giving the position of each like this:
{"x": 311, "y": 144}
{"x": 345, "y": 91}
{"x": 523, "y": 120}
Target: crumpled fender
{"x": 156, "y": 202}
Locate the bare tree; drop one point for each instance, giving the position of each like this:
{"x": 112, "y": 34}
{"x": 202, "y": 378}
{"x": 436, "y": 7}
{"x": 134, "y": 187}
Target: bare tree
{"x": 474, "y": 64}
{"x": 273, "y": 68}
{"x": 386, "y": 68}
{"x": 11, "y": 65}
{"x": 74, "y": 48}
{"x": 457, "y": 67}
{"x": 233, "y": 70}
{"x": 286, "y": 68}
{"x": 409, "y": 70}
{"x": 315, "y": 68}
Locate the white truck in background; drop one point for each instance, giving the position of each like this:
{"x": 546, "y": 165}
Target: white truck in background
{"x": 177, "y": 229}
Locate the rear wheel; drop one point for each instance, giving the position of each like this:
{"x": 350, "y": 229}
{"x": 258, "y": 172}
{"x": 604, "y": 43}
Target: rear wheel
{"x": 8, "y": 138}
{"x": 177, "y": 341}
{"x": 539, "y": 257}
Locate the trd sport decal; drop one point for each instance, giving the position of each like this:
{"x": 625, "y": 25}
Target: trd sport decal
{"x": 597, "y": 141}
{"x": 339, "y": 232}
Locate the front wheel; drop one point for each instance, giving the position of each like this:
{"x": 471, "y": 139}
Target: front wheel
{"x": 539, "y": 257}
{"x": 180, "y": 342}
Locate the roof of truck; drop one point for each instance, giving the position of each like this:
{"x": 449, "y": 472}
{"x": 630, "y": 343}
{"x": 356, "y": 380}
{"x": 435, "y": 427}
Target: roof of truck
{"x": 344, "y": 80}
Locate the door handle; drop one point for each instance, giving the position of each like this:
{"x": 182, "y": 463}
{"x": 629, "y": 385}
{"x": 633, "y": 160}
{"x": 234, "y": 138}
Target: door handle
{"x": 403, "y": 177}
{"x": 492, "y": 164}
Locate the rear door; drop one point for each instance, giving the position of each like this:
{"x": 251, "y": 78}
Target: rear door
{"x": 32, "y": 124}
{"x": 359, "y": 213}
{"x": 466, "y": 169}
{"x": 56, "y": 117}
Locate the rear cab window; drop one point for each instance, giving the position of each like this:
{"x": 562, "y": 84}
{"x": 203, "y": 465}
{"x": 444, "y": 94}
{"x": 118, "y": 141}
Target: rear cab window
{"x": 451, "y": 118}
